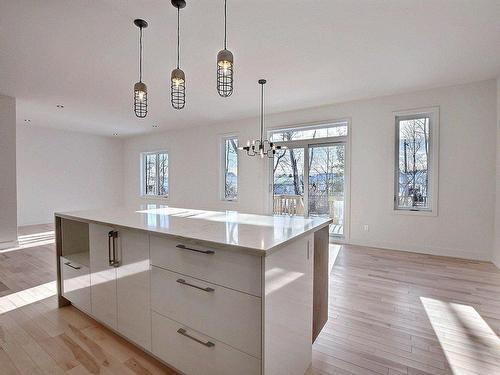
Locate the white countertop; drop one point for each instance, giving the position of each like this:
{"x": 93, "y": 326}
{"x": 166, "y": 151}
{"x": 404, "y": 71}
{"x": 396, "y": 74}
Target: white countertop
{"x": 256, "y": 233}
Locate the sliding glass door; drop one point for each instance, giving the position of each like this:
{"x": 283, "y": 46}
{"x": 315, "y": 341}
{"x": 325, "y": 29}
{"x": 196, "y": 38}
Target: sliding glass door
{"x": 288, "y": 182}
{"x": 326, "y": 179}
{"x": 309, "y": 177}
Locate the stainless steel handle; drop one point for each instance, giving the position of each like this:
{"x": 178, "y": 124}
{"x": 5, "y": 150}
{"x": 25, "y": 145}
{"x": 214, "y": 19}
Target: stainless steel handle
{"x": 116, "y": 262}
{"x": 183, "y": 332}
{"x": 112, "y": 235}
{"x": 110, "y": 238}
{"x": 184, "y": 247}
{"x": 70, "y": 265}
{"x": 184, "y": 282}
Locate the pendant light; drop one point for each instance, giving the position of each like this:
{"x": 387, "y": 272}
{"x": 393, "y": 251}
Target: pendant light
{"x": 178, "y": 78}
{"x": 140, "y": 88}
{"x": 225, "y": 65}
{"x": 261, "y": 147}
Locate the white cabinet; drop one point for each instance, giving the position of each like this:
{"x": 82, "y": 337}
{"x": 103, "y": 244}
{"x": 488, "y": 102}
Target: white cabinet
{"x": 194, "y": 353}
{"x": 103, "y": 275}
{"x": 225, "y": 314}
{"x": 223, "y": 267}
{"x": 75, "y": 283}
{"x": 120, "y": 282}
{"x": 132, "y": 287}
{"x": 289, "y": 308}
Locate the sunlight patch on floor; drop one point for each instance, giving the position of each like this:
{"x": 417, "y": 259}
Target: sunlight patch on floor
{"x": 334, "y": 250}
{"x": 27, "y": 296}
{"x": 32, "y": 240}
{"x": 467, "y": 340}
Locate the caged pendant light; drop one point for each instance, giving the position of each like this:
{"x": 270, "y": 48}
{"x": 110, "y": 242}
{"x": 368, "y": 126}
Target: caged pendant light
{"x": 261, "y": 147}
{"x": 225, "y": 65}
{"x": 140, "y": 88}
{"x": 178, "y": 78}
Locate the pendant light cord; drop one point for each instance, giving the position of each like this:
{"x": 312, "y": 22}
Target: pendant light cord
{"x": 225, "y": 24}
{"x": 261, "y": 112}
{"x": 178, "y": 37}
{"x": 140, "y": 58}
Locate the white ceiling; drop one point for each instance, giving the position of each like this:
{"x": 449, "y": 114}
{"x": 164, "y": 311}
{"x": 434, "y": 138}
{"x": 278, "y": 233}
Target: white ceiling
{"x": 83, "y": 54}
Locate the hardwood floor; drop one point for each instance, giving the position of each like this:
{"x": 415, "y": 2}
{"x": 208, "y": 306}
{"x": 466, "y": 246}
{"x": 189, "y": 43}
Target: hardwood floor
{"x": 396, "y": 313}
{"x": 391, "y": 313}
{"x": 38, "y": 338}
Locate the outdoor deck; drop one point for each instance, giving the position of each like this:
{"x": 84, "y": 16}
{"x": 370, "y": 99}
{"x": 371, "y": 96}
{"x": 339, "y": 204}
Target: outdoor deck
{"x": 319, "y": 205}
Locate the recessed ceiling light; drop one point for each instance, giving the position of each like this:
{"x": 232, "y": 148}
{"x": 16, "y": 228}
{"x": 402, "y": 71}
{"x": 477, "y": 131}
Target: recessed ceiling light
{"x": 59, "y": 106}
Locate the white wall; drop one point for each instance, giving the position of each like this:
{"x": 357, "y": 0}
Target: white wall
{"x": 8, "y": 200}
{"x": 496, "y": 248}
{"x": 465, "y": 224}
{"x": 64, "y": 171}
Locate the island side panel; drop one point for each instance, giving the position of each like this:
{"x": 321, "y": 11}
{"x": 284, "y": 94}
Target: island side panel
{"x": 288, "y": 308}
{"x": 58, "y": 228}
{"x": 321, "y": 259}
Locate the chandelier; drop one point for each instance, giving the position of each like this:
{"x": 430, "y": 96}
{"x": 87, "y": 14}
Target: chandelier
{"x": 261, "y": 147}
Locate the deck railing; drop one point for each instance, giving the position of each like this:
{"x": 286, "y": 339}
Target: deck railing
{"x": 287, "y": 204}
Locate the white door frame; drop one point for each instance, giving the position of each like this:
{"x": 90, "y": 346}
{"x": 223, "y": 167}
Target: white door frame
{"x": 305, "y": 144}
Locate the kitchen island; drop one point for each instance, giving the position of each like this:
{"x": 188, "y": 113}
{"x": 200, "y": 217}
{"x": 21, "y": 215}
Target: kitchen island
{"x": 206, "y": 292}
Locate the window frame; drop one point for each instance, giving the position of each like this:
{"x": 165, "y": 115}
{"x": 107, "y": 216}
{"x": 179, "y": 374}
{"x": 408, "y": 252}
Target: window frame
{"x": 312, "y": 126}
{"x": 222, "y": 166}
{"x": 432, "y": 164}
{"x": 143, "y": 156}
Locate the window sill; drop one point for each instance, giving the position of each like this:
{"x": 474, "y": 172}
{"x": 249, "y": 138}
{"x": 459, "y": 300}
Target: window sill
{"x": 415, "y": 213}
{"x": 155, "y": 197}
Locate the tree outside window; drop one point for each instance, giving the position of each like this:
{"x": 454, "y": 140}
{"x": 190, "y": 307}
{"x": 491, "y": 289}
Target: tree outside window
{"x": 230, "y": 168}
{"x": 155, "y": 174}
{"x": 413, "y": 163}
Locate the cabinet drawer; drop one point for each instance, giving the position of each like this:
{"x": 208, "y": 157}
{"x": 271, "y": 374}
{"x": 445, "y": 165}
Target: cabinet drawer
{"x": 198, "y": 354}
{"x": 76, "y": 283}
{"x": 223, "y": 267}
{"x": 225, "y": 314}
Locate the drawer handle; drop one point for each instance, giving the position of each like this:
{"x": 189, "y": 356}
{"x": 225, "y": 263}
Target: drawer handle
{"x": 183, "y": 332}
{"x": 184, "y": 247}
{"x": 184, "y": 282}
{"x": 70, "y": 265}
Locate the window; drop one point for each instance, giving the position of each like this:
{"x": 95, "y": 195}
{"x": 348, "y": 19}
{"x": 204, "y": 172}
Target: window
{"x": 416, "y": 166}
{"x": 155, "y": 174}
{"x": 337, "y": 129}
{"x": 230, "y": 168}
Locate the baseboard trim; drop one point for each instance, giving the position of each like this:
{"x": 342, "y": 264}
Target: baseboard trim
{"x": 496, "y": 262}
{"x": 8, "y": 244}
{"x": 430, "y": 250}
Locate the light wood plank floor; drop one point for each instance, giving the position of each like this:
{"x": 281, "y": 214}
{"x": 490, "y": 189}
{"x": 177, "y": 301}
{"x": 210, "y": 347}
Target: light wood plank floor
{"x": 38, "y": 338}
{"x": 391, "y": 313}
{"x": 396, "y": 313}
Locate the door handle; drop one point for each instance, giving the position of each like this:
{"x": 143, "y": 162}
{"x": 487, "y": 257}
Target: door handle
{"x": 112, "y": 236}
{"x": 183, "y": 332}
{"x": 116, "y": 262}
{"x": 184, "y": 282}
{"x": 184, "y": 247}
